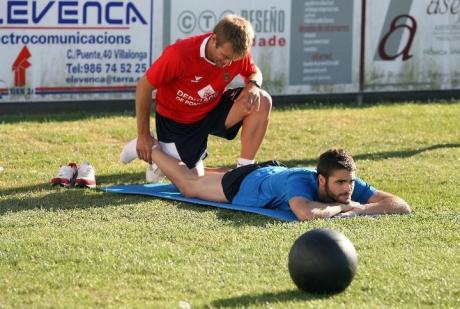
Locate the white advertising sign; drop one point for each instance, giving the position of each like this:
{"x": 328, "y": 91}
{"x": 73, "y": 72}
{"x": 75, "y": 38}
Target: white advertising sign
{"x": 324, "y": 57}
{"x": 412, "y": 45}
{"x": 73, "y": 49}
{"x": 301, "y": 46}
{"x": 80, "y": 50}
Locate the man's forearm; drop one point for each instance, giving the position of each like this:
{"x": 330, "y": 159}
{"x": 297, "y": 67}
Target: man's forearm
{"x": 323, "y": 210}
{"x": 143, "y": 106}
{"x": 389, "y": 205}
{"x": 305, "y": 209}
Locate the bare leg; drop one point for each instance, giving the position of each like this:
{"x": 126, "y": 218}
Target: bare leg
{"x": 216, "y": 170}
{"x": 207, "y": 187}
{"x": 254, "y": 127}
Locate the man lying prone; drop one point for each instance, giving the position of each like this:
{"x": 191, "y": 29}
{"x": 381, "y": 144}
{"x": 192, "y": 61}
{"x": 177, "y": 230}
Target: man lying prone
{"x": 331, "y": 190}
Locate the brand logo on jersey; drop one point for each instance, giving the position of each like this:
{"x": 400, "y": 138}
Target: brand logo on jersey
{"x": 227, "y": 77}
{"x": 197, "y": 79}
{"x": 206, "y": 92}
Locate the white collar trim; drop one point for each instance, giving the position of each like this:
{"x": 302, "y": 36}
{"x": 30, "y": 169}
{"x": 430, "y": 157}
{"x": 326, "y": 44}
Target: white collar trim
{"x": 203, "y": 50}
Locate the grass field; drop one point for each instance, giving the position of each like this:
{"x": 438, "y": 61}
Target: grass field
{"x": 69, "y": 248}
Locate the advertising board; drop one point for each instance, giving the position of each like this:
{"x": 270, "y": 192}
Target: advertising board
{"x": 412, "y": 45}
{"x": 54, "y": 50}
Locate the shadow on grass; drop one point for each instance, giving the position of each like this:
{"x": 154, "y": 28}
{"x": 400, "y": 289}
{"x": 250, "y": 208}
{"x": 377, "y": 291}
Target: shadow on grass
{"x": 266, "y": 299}
{"x": 378, "y": 155}
{"x": 60, "y": 117}
{"x": 103, "y": 180}
{"x": 78, "y": 198}
{"x": 72, "y": 115}
{"x": 326, "y": 104}
{"x": 66, "y": 198}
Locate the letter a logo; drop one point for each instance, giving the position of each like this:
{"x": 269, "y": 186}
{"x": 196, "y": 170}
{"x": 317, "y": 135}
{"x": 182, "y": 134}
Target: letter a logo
{"x": 20, "y": 66}
{"x": 394, "y": 27}
{"x": 391, "y": 39}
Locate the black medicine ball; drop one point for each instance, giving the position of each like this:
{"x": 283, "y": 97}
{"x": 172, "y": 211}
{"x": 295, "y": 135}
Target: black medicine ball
{"x": 322, "y": 261}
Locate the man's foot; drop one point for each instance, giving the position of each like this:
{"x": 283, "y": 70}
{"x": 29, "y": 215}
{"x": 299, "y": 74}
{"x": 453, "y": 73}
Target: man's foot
{"x": 66, "y": 175}
{"x": 129, "y": 152}
{"x": 86, "y": 176}
{"x": 154, "y": 174}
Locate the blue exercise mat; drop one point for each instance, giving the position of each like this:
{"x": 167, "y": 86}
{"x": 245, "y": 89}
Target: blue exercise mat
{"x": 170, "y": 192}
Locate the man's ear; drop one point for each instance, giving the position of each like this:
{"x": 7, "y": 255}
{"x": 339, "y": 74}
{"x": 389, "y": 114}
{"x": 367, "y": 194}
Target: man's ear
{"x": 213, "y": 39}
{"x": 321, "y": 179}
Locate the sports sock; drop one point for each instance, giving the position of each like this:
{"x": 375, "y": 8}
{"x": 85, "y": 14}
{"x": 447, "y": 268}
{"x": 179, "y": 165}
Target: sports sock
{"x": 243, "y": 162}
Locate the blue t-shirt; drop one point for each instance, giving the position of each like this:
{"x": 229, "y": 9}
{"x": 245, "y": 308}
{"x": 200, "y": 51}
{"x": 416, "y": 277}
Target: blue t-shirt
{"x": 274, "y": 186}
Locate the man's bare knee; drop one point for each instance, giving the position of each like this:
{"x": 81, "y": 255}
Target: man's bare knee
{"x": 187, "y": 185}
{"x": 265, "y": 102}
{"x": 188, "y": 191}
{"x": 263, "y": 113}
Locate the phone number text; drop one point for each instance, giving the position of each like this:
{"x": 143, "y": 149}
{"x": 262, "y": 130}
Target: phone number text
{"x": 92, "y": 68}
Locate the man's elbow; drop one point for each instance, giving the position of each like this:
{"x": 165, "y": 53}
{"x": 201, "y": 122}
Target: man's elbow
{"x": 303, "y": 217}
{"x": 399, "y": 206}
{"x": 301, "y": 213}
{"x": 404, "y": 207}
{"x": 310, "y": 214}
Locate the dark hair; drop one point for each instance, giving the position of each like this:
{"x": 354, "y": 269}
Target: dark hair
{"x": 236, "y": 30}
{"x": 334, "y": 159}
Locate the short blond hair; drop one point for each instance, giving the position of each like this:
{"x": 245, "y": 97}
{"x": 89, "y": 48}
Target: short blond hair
{"x": 236, "y": 30}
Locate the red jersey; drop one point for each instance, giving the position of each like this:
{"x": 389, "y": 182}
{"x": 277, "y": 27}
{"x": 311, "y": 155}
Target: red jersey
{"x": 188, "y": 85}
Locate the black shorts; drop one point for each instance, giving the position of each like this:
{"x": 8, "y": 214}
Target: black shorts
{"x": 191, "y": 140}
{"x": 232, "y": 180}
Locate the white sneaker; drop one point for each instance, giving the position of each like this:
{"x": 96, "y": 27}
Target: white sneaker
{"x": 129, "y": 152}
{"x": 154, "y": 174}
{"x": 86, "y": 176}
{"x": 66, "y": 175}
